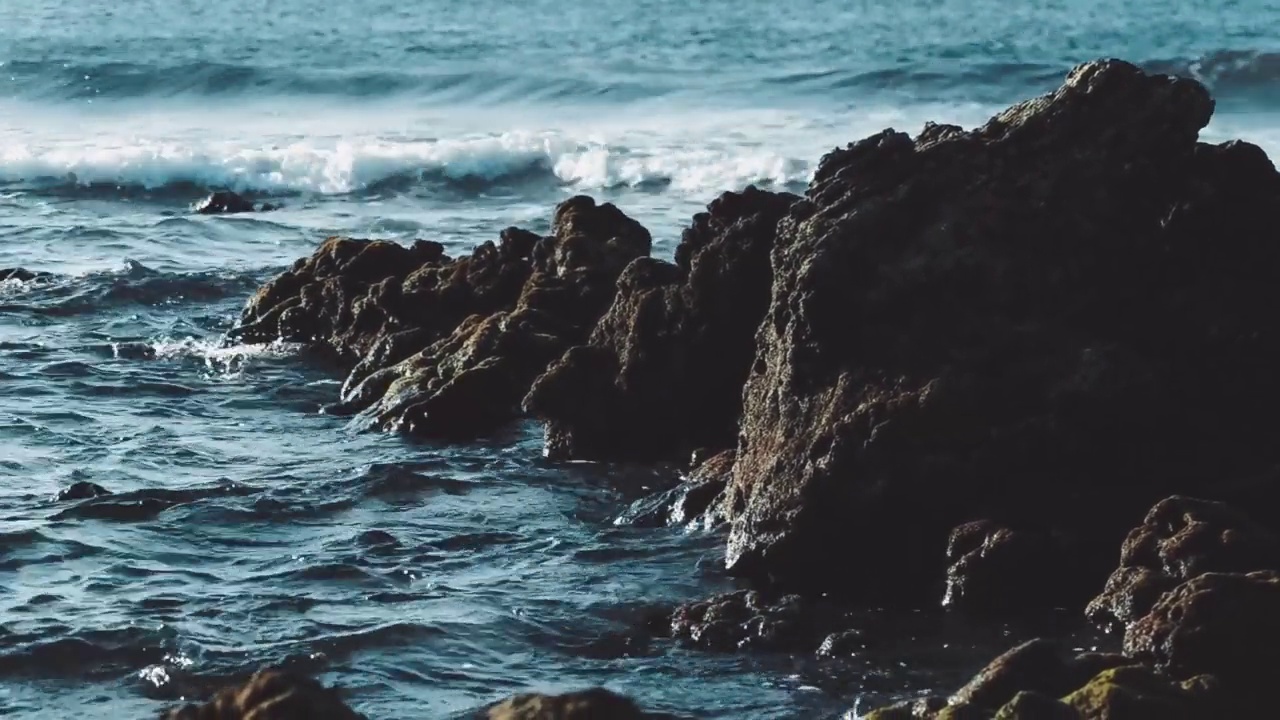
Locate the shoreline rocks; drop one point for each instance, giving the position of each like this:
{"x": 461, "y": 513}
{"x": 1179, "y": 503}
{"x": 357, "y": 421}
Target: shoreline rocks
{"x": 282, "y": 695}
{"x": 662, "y": 372}
{"x": 444, "y": 347}
{"x": 965, "y": 357}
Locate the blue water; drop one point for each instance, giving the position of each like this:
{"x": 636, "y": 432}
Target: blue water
{"x": 248, "y": 529}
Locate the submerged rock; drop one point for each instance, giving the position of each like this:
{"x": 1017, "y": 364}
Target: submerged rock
{"x": 226, "y": 202}
{"x": 446, "y": 347}
{"x": 1181, "y": 538}
{"x": 751, "y": 620}
{"x": 1052, "y": 321}
{"x": 662, "y": 372}
{"x": 81, "y": 491}
{"x": 592, "y": 704}
{"x": 22, "y": 275}
{"x": 270, "y": 695}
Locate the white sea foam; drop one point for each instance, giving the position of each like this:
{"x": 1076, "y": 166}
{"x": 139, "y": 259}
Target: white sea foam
{"x": 343, "y": 166}
{"x": 217, "y": 358}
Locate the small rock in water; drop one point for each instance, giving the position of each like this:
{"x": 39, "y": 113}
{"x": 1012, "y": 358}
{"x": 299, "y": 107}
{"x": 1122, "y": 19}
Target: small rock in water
{"x": 21, "y": 274}
{"x": 82, "y": 491}
{"x": 270, "y": 695}
{"x": 584, "y": 705}
{"x": 225, "y": 202}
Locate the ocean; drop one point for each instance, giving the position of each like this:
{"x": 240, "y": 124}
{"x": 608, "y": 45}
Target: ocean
{"x": 245, "y": 527}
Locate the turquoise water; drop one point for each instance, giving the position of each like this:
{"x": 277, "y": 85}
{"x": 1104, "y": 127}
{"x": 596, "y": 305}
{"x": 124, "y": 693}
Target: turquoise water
{"x": 247, "y": 528}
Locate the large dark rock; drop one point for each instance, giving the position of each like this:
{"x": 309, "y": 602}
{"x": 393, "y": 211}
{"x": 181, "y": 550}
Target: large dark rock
{"x": 1057, "y": 319}
{"x": 270, "y": 695}
{"x": 1222, "y": 624}
{"x": 1180, "y": 539}
{"x": 448, "y": 347}
{"x": 662, "y": 373}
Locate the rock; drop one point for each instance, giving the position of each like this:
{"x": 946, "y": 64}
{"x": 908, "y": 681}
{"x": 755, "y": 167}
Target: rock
{"x": 696, "y": 501}
{"x": 1034, "y": 682}
{"x": 81, "y": 491}
{"x": 994, "y": 569}
{"x": 22, "y": 275}
{"x": 270, "y": 695}
{"x": 662, "y": 372}
{"x": 226, "y": 202}
{"x": 1050, "y": 321}
{"x": 1136, "y": 693}
{"x": 1222, "y": 624}
{"x": 1035, "y": 706}
{"x": 592, "y": 704}
{"x": 1180, "y": 538}
{"x": 1039, "y": 666}
{"x": 752, "y": 620}
{"x": 915, "y": 709}
{"x": 442, "y": 347}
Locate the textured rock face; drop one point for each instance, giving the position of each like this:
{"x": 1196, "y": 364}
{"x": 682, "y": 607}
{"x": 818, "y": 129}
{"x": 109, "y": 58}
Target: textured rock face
{"x": 270, "y": 695}
{"x": 447, "y": 347}
{"x": 1060, "y": 317}
{"x": 662, "y": 373}
{"x": 1222, "y": 624}
{"x": 1180, "y": 539}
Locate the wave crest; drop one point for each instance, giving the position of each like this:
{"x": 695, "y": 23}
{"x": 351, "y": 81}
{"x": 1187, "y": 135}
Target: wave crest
{"x": 348, "y": 166}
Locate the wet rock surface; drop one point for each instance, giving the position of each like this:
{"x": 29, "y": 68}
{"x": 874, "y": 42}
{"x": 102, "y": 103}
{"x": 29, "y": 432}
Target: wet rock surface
{"x": 82, "y": 490}
{"x": 270, "y": 695}
{"x": 1181, "y": 538}
{"x": 592, "y": 704}
{"x": 1053, "y": 320}
{"x": 696, "y": 501}
{"x": 1222, "y": 624}
{"x": 445, "y": 347}
{"x": 750, "y": 620}
{"x": 662, "y": 372}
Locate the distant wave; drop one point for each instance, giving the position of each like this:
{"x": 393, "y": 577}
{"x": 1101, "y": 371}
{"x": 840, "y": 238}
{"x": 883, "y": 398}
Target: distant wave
{"x": 77, "y": 79}
{"x": 307, "y": 166}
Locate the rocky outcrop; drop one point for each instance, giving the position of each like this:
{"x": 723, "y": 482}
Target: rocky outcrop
{"x": 1035, "y": 682}
{"x": 270, "y": 695}
{"x": 662, "y": 372}
{"x": 1056, "y": 319}
{"x": 1205, "y": 647}
{"x": 447, "y": 347}
{"x": 1180, "y": 539}
{"x": 1221, "y": 624}
{"x": 281, "y": 695}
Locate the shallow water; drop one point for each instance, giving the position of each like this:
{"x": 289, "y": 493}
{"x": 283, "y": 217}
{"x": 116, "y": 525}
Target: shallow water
{"x": 246, "y": 528}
